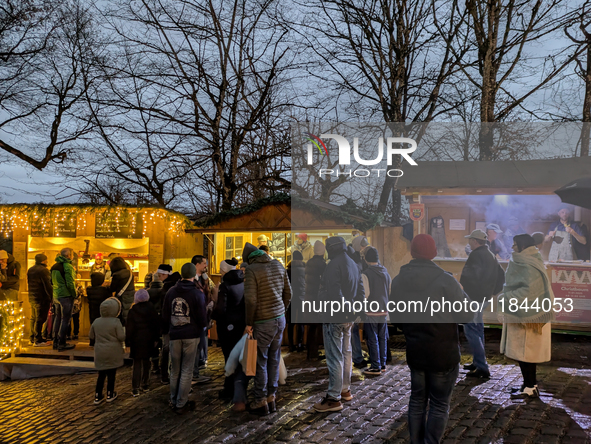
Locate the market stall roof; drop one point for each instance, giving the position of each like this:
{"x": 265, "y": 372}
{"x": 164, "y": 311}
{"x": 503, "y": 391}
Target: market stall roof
{"x": 283, "y": 212}
{"x": 498, "y": 177}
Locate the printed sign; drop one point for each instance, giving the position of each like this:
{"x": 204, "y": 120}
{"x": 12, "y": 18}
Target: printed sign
{"x": 417, "y": 212}
{"x": 457, "y": 224}
{"x": 574, "y": 283}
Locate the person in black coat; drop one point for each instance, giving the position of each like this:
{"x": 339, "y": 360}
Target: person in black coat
{"x": 313, "y": 274}
{"x": 96, "y": 294}
{"x": 482, "y": 277}
{"x": 142, "y": 332}
{"x": 296, "y": 272}
{"x": 122, "y": 285}
{"x": 432, "y": 342}
{"x": 40, "y": 297}
{"x": 229, "y": 314}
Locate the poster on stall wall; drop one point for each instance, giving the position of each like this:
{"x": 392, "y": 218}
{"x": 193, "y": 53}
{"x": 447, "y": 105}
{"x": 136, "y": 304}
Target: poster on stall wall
{"x": 156, "y": 255}
{"x": 19, "y": 251}
{"x": 574, "y": 283}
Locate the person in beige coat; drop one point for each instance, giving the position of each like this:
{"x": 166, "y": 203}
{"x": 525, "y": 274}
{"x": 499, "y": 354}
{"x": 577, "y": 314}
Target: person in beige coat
{"x": 526, "y": 334}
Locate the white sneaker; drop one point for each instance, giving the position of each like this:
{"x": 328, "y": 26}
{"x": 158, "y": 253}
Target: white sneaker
{"x": 528, "y": 392}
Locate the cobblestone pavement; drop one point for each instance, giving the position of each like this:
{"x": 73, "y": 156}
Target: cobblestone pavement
{"x": 60, "y": 409}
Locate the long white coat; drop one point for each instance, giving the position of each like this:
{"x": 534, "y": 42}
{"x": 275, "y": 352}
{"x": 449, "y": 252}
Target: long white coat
{"x": 524, "y": 344}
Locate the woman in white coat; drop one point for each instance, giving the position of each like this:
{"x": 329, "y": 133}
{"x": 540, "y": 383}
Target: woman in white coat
{"x": 525, "y": 308}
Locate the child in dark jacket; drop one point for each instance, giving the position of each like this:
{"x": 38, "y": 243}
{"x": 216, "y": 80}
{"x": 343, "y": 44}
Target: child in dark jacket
{"x": 96, "y": 294}
{"x": 142, "y": 334}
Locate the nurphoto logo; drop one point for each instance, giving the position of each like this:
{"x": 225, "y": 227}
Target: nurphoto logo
{"x": 402, "y": 146}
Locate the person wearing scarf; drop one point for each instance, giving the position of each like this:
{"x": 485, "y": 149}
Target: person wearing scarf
{"x": 526, "y": 332}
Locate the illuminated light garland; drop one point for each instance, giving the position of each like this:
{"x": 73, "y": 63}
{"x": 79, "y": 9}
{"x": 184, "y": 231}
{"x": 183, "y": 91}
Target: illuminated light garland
{"x": 12, "y": 320}
{"x": 23, "y": 216}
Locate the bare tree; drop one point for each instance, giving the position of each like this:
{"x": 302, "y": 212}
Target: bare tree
{"x": 43, "y": 48}
{"x": 497, "y": 61}
{"x": 583, "y": 68}
{"x": 192, "y": 100}
{"x": 388, "y": 58}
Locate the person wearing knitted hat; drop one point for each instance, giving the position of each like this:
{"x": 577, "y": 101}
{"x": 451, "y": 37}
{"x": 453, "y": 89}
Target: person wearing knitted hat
{"x": 304, "y": 246}
{"x": 376, "y": 282}
{"x": 40, "y": 298}
{"x": 432, "y": 342}
{"x": 142, "y": 332}
{"x": 184, "y": 317}
{"x": 482, "y": 277}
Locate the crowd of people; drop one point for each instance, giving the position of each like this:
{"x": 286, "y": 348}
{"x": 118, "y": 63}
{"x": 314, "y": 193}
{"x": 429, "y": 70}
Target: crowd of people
{"x": 165, "y": 325}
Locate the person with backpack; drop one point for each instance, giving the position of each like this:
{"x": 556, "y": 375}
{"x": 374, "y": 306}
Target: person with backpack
{"x": 63, "y": 278}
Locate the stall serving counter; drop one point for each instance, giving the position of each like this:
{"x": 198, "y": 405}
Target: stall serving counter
{"x": 569, "y": 280}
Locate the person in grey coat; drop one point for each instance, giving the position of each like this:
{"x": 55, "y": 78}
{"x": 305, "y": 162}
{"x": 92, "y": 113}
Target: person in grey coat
{"x": 108, "y": 337}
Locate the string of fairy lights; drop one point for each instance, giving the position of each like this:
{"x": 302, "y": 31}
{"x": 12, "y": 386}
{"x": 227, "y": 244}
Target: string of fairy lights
{"x": 12, "y": 326}
{"x": 41, "y": 219}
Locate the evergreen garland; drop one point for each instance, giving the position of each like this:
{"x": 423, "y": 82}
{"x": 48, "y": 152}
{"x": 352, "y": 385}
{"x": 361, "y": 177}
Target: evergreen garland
{"x": 349, "y": 213}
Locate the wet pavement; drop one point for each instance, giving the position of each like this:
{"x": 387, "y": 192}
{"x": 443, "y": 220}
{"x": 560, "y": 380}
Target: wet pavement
{"x": 61, "y": 410}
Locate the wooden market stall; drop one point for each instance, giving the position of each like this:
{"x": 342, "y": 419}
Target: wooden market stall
{"x": 459, "y": 197}
{"x": 145, "y": 237}
{"x": 280, "y": 219}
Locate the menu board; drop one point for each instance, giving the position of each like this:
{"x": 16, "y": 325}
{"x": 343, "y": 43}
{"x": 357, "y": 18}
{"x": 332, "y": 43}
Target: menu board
{"x": 54, "y": 224}
{"x": 119, "y": 225}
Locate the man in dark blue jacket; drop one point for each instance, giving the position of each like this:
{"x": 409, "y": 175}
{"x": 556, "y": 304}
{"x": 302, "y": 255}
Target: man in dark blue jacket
{"x": 432, "y": 342}
{"x": 184, "y": 315}
{"x": 341, "y": 281}
{"x": 376, "y": 283}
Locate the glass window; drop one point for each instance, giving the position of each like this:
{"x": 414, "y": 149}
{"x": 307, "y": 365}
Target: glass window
{"x": 234, "y": 246}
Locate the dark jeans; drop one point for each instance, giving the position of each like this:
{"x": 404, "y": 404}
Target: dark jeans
{"x": 433, "y": 389}
{"x": 39, "y": 313}
{"x": 313, "y": 340}
{"x": 165, "y": 358}
{"x": 100, "y": 383}
{"x": 376, "y": 338}
{"x": 268, "y": 335}
{"x": 63, "y": 313}
{"x": 141, "y": 373}
{"x": 528, "y": 370}
{"x": 228, "y": 340}
{"x": 76, "y": 322}
{"x": 201, "y": 355}
{"x": 299, "y": 328}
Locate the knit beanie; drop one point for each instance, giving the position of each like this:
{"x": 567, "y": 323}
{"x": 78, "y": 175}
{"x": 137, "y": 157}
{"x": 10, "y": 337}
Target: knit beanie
{"x": 141, "y": 296}
{"x": 188, "y": 271}
{"x": 538, "y": 237}
{"x": 319, "y": 248}
{"x": 297, "y": 256}
{"x": 423, "y": 247}
{"x": 40, "y": 258}
{"x": 371, "y": 255}
{"x": 97, "y": 279}
{"x": 228, "y": 265}
{"x": 359, "y": 242}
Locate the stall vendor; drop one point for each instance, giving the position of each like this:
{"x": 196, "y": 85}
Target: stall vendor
{"x": 561, "y": 235}
{"x": 99, "y": 264}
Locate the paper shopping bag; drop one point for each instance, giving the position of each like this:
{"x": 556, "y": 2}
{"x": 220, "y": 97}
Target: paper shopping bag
{"x": 250, "y": 352}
